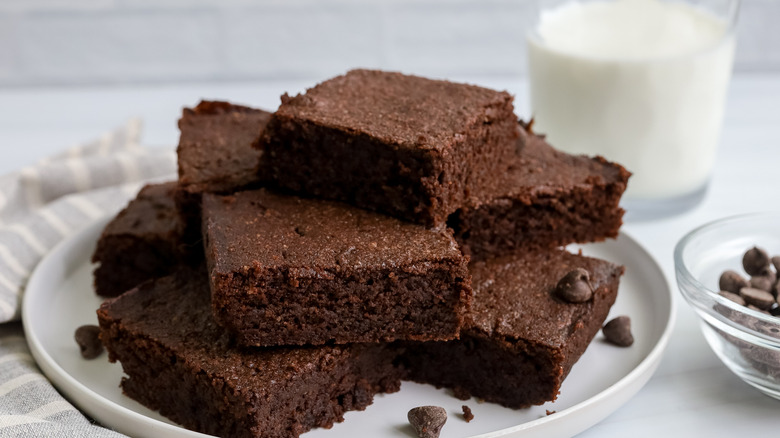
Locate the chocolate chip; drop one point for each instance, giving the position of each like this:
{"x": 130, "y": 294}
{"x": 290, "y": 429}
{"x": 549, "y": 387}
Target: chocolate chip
{"x": 87, "y": 336}
{"x": 770, "y": 274}
{"x": 574, "y": 287}
{"x": 618, "y": 331}
{"x": 757, "y": 297}
{"x": 467, "y": 415}
{"x": 755, "y": 260}
{"x": 757, "y": 309}
{"x": 765, "y": 355}
{"x": 427, "y": 421}
{"x": 733, "y": 297}
{"x": 763, "y": 282}
{"x": 731, "y": 281}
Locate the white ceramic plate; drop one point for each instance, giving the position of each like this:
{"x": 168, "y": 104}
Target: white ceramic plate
{"x": 59, "y": 298}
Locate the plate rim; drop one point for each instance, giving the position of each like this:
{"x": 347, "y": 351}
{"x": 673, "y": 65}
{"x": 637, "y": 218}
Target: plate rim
{"x": 74, "y": 390}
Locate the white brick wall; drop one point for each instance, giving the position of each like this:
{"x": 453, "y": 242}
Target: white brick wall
{"x": 45, "y": 42}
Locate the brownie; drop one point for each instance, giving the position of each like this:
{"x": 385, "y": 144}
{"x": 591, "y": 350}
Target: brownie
{"x": 216, "y": 155}
{"x": 143, "y": 241}
{"x": 520, "y": 340}
{"x": 547, "y": 199}
{"x": 179, "y": 362}
{"x": 289, "y": 271}
{"x": 411, "y": 147}
{"x": 215, "y": 148}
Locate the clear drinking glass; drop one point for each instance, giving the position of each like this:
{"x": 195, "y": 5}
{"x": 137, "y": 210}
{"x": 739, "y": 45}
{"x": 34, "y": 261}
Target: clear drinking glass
{"x": 640, "y": 82}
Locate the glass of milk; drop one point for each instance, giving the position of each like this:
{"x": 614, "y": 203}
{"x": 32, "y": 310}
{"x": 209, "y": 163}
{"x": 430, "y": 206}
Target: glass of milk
{"x": 640, "y": 82}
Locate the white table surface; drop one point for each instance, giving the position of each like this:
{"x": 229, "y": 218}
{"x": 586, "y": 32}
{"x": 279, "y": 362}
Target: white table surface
{"x": 691, "y": 394}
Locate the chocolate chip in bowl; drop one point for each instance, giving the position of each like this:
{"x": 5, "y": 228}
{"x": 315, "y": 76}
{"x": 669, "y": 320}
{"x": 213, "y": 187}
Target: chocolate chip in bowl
{"x": 726, "y": 271}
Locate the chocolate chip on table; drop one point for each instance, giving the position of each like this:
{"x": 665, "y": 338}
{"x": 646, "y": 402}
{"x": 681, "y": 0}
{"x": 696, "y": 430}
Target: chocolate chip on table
{"x": 618, "y": 331}
{"x": 763, "y": 282}
{"x": 87, "y": 337}
{"x": 733, "y": 297}
{"x": 467, "y": 414}
{"x": 575, "y": 287}
{"x": 757, "y": 297}
{"x": 427, "y": 421}
{"x": 755, "y": 261}
{"x": 731, "y": 281}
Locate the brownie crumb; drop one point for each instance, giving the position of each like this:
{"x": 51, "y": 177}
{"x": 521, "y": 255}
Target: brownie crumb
{"x": 467, "y": 414}
{"x": 427, "y": 421}
{"x": 549, "y": 412}
{"x": 618, "y": 331}
{"x": 87, "y": 336}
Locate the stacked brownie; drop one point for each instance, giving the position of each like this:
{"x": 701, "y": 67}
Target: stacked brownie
{"x": 143, "y": 241}
{"x": 336, "y": 236}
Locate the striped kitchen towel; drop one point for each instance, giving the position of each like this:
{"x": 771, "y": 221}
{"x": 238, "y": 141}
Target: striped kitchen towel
{"x": 39, "y": 206}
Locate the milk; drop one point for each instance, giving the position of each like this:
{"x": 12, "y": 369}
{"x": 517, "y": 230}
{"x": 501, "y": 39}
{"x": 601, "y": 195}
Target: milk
{"x": 641, "y": 82}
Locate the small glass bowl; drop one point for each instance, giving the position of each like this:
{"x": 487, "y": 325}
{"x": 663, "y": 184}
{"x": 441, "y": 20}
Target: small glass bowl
{"x": 747, "y": 341}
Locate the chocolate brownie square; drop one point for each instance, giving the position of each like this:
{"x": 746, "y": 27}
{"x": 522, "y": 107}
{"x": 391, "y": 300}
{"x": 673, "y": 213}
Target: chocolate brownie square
{"x": 180, "y": 362}
{"x": 547, "y": 199}
{"x": 292, "y": 271}
{"x": 520, "y": 340}
{"x": 216, "y": 155}
{"x": 411, "y": 147}
{"x": 143, "y": 241}
{"x": 215, "y": 150}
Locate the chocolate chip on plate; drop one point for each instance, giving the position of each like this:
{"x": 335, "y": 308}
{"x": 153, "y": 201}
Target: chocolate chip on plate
{"x": 757, "y": 297}
{"x": 427, "y": 421}
{"x": 575, "y": 287}
{"x": 618, "y": 331}
{"x": 731, "y": 281}
{"x": 755, "y": 260}
{"x": 467, "y": 414}
{"x": 87, "y": 336}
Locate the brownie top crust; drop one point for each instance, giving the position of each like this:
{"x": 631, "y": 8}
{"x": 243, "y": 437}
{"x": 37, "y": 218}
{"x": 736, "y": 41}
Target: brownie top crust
{"x": 175, "y": 311}
{"x": 265, "y": 230}
{"x": 541, "y": 170}
{"x": 152, "y": 212}
{"x": 407, "y": 111}
{"x": 215, "y": 148}
{"x": 514, "y": 296}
